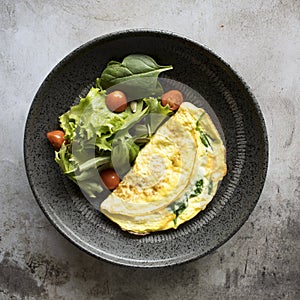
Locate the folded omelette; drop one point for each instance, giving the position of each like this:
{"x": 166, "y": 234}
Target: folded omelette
{"x": 174, "y": 176}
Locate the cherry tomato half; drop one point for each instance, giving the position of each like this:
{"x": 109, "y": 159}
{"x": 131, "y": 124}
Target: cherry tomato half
{"x": 116, "y": 101}
{"x": 110, "y": 178}
{"x": 56, "y": 138}
{"x": 173, "y": 97}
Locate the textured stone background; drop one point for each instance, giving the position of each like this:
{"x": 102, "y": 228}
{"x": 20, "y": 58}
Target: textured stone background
{"x": 261, "y": 40}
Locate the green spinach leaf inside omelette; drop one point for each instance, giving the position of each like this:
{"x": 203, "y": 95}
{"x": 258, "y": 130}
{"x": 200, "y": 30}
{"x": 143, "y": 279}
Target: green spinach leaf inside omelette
{"x": 174, "y": 176}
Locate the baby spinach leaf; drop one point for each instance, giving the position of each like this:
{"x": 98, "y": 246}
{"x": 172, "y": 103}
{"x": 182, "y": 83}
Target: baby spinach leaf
{"x": 203, "y": 136}
{"x": 198, "y": 188}
{"x": 178, "y": 207}
{"x": 137, "y": 74}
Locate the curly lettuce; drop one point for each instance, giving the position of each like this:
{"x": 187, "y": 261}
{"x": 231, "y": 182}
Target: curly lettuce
{"x": 98, "y": 137}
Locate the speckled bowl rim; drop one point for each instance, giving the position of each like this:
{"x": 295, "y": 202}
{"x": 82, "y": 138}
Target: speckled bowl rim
{"x": 161, "y": 263}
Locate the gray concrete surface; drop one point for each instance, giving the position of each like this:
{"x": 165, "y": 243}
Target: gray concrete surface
{"x": 261, "y": 40}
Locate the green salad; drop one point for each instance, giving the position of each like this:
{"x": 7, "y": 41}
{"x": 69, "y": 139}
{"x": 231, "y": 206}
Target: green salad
{"x": 109, "y": 126}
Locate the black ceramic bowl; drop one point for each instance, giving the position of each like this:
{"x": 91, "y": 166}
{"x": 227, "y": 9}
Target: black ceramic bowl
{"x": 235, "y": 107}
